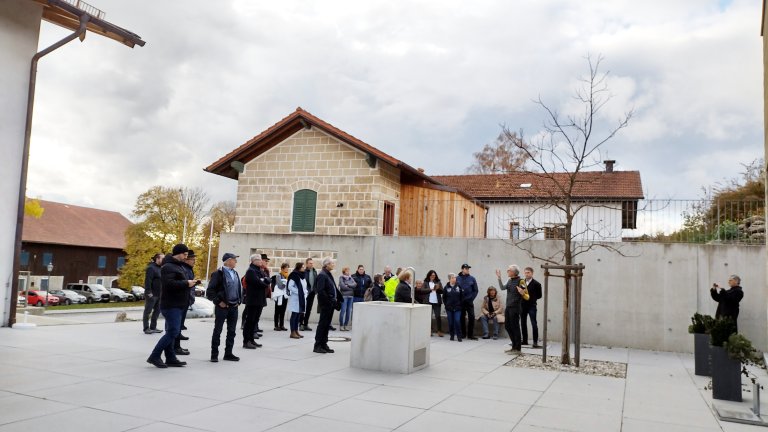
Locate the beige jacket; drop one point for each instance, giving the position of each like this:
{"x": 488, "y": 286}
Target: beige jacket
{"x": 497, "y": 309}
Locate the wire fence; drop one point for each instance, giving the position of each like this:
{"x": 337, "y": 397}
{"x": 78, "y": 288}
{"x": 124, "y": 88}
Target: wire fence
{"x": 668, "y": 221}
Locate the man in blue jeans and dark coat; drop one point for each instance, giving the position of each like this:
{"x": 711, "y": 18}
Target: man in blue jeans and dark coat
{"x": 226, "y": 293}
{"x": 529, "y": 308}
{"x": 469, "y": 287}
{"x": 174, "y": 298}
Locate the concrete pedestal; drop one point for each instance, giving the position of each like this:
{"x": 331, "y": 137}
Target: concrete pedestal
{"x": 390, "y": 337}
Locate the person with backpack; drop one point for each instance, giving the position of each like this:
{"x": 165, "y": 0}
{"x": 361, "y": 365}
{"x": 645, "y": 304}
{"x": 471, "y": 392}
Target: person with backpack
{"x": 363, "y": 283}
{"x": 226, "y": 292}
{"x": 256, "y": 283}
{"x": 376, "y": 291}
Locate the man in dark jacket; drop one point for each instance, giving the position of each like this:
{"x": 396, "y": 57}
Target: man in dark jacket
{"x": 514, "y": 307}
{"x": 529, "y": 308}
{"x": 225, "y": 291}
{"x": 152, "y": 288}
{"x": 469, "y": 287}
{"x": 327, "y": 299}
{"x": 188, "y": 265}
{"x": 310, "y": 274}
{"x": 728, "y": 300}
{"x": 256, "y": 284}
{"x": 174, "y": 298}
{"x": 363, "y": 283}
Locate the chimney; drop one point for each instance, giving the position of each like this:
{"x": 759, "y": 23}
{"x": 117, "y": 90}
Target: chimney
{"x": 609, "y": 165}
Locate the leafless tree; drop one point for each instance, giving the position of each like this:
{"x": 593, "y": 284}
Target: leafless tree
{"x": 569, "y": 146}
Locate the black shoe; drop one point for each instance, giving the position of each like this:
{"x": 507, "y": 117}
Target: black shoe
{"x": 181, "y": 351}
{"x": 183, "y": 327}
{"x": 452, "y": 338}
{"x": 328, "y": 349}
{"x": 256, "y": 336}
{"x": 536, "y": 346}
{"x": 459, "y": 339}
{"x": 214, "y": 359}
{"x": 182, "y": 337}
{"x": 307, "y": 328}
{"x": 332, "y": 328}
{"x": 231, "y": 357}
{"x": 175, "y": 363}
{"x": 156, "y": 331}
{"x": 320, "y": 350}
{"x": 157, "y": 362}
{"x": 148, "y": 331}
{"x": 251, "y": 345}
{"x": 472, "y": 338}
{"x": 525, "y": 343}
{"x": 486, "y": 337}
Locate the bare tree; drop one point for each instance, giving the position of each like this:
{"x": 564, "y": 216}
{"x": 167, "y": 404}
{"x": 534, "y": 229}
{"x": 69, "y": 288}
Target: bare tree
{"x": 505, "y": 154}
{"x": 568, "y": 146}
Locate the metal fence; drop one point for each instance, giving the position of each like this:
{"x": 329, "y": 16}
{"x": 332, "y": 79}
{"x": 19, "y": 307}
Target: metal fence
{"x": 86, "y": 7}
{"x": 657, "y": 220}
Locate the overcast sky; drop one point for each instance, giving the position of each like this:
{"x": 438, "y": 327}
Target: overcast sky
{"x": 428, "y": 82}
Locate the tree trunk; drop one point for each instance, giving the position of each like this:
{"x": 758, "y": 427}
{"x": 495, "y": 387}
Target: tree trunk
{"x": 565, "y": 356}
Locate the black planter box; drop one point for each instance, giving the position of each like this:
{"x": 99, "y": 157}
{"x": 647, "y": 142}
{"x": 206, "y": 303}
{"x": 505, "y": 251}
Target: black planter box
{"x": 701, "y": 354}
{"x": 726, "y": 376}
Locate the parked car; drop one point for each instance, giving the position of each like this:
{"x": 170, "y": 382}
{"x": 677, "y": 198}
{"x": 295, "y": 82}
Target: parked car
{"x": 92, "y": 292}
{"x": 68, "y": 297}
{"x": 22, "y": 301}
{"x": 201, "y": 308}
{"x": 120, "y": 295}
{"x": 38, "y": 298}
{"x": 137, "y": 292}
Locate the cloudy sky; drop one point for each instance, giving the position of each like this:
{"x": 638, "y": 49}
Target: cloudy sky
{"x": 428, "y": 82}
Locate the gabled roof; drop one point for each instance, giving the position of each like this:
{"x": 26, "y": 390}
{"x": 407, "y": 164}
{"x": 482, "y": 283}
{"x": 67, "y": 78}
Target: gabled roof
{"x": 624, "y": 185}
{"x": 66, "y": 224}
{"x": 288, "y": 126}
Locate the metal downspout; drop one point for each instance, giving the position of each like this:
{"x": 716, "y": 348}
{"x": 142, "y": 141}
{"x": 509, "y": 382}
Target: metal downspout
{"x": 79, "y": 33}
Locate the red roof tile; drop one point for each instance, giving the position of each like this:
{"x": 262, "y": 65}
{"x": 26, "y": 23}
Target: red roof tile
{"x": 589, "y": 185}
{"x": 76, "y": 226}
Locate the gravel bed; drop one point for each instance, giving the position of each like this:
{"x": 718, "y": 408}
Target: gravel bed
{"x": 588, "y": 367}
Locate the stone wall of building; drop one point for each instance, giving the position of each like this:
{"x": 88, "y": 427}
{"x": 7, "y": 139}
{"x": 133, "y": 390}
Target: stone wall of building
{"x": 350, "y": 193}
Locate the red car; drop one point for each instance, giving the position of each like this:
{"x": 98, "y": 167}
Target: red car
{"x": 37, "y": 298}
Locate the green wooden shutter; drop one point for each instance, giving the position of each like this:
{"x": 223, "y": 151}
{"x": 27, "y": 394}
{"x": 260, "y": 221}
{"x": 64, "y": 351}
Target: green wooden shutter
{"x": 304, "y": 207}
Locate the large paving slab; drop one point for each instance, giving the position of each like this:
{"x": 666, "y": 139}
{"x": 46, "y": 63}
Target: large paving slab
{"x": 94, "y": 377}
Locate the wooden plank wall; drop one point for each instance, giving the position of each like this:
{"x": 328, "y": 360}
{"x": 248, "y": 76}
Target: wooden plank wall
{"x": 436, "y": 213}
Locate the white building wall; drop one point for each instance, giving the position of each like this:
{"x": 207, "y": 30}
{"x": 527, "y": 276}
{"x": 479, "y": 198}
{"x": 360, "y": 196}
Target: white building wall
{"x": 593, "y": 222}
{"x": 19, "y": 32}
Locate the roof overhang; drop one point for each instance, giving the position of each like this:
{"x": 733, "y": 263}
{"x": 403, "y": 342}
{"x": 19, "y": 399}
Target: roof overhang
{"x": 288, "y": 126}
{"x": 66, "y": 14}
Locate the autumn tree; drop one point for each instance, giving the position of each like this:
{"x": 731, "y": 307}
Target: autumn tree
{"x": 507, "y": 153}
{"x": 165, "y": 216}
{"x": 569, "y": 145}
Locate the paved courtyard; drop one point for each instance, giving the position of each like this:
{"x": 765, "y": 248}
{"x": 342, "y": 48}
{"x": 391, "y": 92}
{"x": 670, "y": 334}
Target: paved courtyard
{"x": 94, "y": 377}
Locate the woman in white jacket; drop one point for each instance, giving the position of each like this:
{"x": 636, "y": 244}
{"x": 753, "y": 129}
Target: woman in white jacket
{"x": 280, "y": 296}
{"x": 297, "y": 298}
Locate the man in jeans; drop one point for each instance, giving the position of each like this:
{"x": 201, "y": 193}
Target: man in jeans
{"x": 529, "y": 308}
{"x": 152, "y": 288}
{"x": 226, "y": 292}
{"x": 469, "y": 287}
{"x": 174, "y": 298}
{"x": 513, "y": 311}
{"x": 309, "y": 275}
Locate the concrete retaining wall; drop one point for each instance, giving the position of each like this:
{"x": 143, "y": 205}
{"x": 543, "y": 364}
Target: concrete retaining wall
{"x": 643, "y": 299}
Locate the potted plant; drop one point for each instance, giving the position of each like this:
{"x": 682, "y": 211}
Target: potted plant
{"x": 700, "y": 326}
{"x": 726, "y": 372}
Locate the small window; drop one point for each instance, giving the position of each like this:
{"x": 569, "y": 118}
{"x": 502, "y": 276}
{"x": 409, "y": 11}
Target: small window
{"x": 304, "y": 207}
{"x": 102, "y": 261}
{"x": 24, "y": 258}
{"x": 514, "y": 230}
{"x": 389, "y": 219}
{"x": 554, "y": 232}
{"x": 629, "y": 215}
{"x": 47, "y": 258}
{"x": 120, "y": 262}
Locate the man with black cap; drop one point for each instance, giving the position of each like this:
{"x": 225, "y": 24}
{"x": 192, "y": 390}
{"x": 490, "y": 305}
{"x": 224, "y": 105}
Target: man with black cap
{"x": 174, "y": 298}
{"x": 469, "y": 287}
{"x": 225, "y": 291}
{"x": 256, "y": 284}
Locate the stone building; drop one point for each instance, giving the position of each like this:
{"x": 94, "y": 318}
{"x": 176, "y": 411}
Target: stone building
{"x": 305, "y": 176}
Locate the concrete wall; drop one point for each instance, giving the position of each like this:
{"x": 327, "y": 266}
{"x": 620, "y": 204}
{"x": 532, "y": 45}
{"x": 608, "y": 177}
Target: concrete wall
{"x": 642, "y": 300}
{"x": 19, "y": 30}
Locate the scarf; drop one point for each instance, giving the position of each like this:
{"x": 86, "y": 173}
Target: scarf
{"x": 296, "y": 277}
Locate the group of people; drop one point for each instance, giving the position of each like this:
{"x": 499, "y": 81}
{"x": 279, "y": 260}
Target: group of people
{"x": 170, "y": 282}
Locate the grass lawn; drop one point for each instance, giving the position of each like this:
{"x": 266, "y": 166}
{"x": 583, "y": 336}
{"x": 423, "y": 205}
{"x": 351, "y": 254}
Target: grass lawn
{"x": 98, "y": 305}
